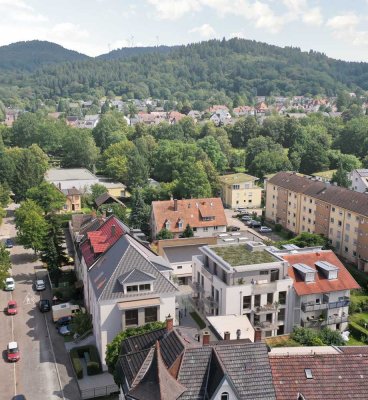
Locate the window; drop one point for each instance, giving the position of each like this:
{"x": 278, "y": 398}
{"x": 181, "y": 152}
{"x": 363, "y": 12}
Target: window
{"x": 310, "y": 211}
{"x": 150, "y": 314}
{"x": 269, "y": 298}
{"x": 225, "y": 396}
{"x": 264, "y": 272}
{"x": 332, "y": 220}
{"x": 282, "y": 298}
{"x": 131, "y": 317}
{"x": 347, "y": 227}
{"x": 205, "y": 229}
{"x": 310, "y": 201}
{"x": 257, "y": 300}
{"x": 349, "y": 215}
{"x": 247, "y": 301}
{"x": 333, "y": 209}
{"x": 339, "y": 223}
{"x": 215, "y": 228}
{"x": 338, "y": 235}
{"x": 268, "y": 333}
{"x": 132, "y": 288}
{"x": 346, "y": 238}
{"x": 346, "y": 249}
{"x": 179, "y": 267}
{"x": 236, "y": 187}
{"x": 180, "y": 225}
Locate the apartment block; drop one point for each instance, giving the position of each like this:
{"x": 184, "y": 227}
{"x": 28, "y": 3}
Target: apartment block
{"x": 302, "y": 204}
{"x": 244, "y": 279}
{"x": 240, "y": 190}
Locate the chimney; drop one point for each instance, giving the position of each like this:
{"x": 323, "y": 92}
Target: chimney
{"x": 175, "y": 205}
{"x": 227, "y": 335}
{"x": 59, "y": 184}
{"x": 238, "y": 333}
{"x": 257, "y": 335}
{"x": 113, "y": 230}
{"x": 206, "y": 338}
{"x": 169, "y": 323}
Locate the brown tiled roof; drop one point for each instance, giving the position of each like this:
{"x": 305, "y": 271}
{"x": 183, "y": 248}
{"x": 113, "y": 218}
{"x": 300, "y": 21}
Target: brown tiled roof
{"x": 335, "y": 195}
{"x": 72, "y": 192}
{"x": 321, "y": 285}
{"x": 189, "y": 212}
{"x": 334, "y": 376}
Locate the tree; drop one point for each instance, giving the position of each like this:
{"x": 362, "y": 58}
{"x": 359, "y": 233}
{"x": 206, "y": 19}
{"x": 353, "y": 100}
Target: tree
{"x": 4, "y": 195}
{"x": 31, "y": 225}
{"x": 113, "y": 348}
{"x": 212, "y": 148}
{"x": 268, "y": 162}
{"x": 25, "y": 130}
{"x": 188, "y": 232}
{"x": 96, "y": 190}
{"x": 139, "y": 217}
{"x": 79, "y": 149}
{"x": 306, "y": 239}
{"x": 50, "y": 256}
{"x": 243, "y": 130}
{"x": 341, "y": 177}
{"x": 5, "y": 263}
{"x": 47, "y": 196}
{"x": 164, "y": 234}
{"x": 81, "y": 323}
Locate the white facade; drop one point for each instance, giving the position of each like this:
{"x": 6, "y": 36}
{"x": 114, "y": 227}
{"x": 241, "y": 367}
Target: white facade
{"x": 359, "y": 180}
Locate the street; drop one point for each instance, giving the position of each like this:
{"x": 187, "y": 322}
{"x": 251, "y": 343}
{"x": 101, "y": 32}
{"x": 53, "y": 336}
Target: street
{"x": 44, "y": 371}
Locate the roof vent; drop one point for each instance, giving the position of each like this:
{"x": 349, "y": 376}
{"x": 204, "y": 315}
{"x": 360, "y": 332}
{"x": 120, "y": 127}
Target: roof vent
{"x": 308, "y": 373}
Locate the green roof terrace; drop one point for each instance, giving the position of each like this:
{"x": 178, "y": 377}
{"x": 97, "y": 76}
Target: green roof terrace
{"x": 237, "y": 255}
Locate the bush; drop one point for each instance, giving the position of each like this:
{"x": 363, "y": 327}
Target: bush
{"x": 358, "y": 331}
{"x": 93, "y": 368}
{"x": 76, "y": 362}
{"x": 310, "y": 337}
{"x": 331, "y": 338}
{"x": 278, "y": 228}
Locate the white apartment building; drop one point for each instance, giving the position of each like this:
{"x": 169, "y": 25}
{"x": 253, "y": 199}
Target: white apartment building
{"x": 244, "y": 279}
{"x": 359, "y": 180}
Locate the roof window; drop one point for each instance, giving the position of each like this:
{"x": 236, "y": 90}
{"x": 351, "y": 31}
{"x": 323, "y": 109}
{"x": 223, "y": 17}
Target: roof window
{"x": 308, "y": 373}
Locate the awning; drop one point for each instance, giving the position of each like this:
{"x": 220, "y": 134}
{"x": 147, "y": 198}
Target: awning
{"x": 128, "y": 305}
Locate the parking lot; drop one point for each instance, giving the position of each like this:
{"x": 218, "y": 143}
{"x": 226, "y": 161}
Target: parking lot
{"x": 44, "y": 371}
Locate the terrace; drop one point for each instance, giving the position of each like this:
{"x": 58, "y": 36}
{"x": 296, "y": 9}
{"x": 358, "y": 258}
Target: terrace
{"x": 237, "y": 255}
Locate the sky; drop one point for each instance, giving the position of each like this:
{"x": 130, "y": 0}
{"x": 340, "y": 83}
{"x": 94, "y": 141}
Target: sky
{"x": 338, "y": 28}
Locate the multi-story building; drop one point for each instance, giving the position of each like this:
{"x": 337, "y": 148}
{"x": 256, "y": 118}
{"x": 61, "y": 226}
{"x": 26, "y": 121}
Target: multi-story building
{"x": 302, "y": 204}
{"x": 244, "y": 279}
{"x": 359, "y": 180}
{"x": 240, "y": 190}
{"x": 321, "y": 288}
{"x": 205, "y": 216}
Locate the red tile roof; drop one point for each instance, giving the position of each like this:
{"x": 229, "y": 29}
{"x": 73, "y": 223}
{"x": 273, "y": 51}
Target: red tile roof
{"x": 344, "y": 280}
{"x": 190, "y": 212}
{"x": 99, "y": 241}
{"x": 335, "y": 376}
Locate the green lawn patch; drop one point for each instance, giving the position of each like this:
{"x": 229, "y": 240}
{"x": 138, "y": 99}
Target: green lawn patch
{"x": 199, "y": 321}
{"x": 240, "y": 255}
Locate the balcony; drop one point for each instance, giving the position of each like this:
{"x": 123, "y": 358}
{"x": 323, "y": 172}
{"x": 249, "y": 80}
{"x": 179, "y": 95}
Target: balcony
{"x": 311, "y": 306}
{"x": 332, "y": 320}
{"x": 267, "y": 308}
{"x": 211, "y": 302}
{"x": 266, "y": 325}
{"x": 196, "y": 286}
{"x": 341, "y": 303}
{"x": 263, "y": 287}
{"x": 323, "y": 321}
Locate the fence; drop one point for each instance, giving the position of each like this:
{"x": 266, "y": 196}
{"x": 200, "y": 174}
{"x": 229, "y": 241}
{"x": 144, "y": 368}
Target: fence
{"x": 99, "y": 391}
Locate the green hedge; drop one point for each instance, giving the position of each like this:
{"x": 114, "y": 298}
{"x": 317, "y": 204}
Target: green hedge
{"x": 94, "y": 366}
{"x": 358, "y": 331}
{"x": 77, "y": 365}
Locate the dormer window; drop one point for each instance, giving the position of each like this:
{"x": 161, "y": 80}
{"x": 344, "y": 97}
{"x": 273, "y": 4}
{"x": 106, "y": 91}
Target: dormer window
{"x": 138, "y": 288}
{"x": 180, "y": 224}
{"x": 136, "y": 281}
{"x": 167, "y": 224}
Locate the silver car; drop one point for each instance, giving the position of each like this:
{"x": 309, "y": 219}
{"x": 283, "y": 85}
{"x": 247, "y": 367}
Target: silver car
{"x": 40, "y": 285}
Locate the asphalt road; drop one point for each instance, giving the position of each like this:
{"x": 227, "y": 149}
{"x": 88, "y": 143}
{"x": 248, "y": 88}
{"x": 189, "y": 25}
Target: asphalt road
{"x": 44, "y": 371}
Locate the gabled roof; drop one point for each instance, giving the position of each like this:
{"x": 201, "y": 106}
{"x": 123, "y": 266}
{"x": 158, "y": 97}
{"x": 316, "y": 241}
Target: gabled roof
{"x": 333, "y": 376}
{"x": 65, "y": 174}
{"x": 71, "y": 192}
{"x": 190, "y": 211}
{"x": 107, "y": 198}
{"x": 135, "y": 276}
{"x": 321, "y": 284}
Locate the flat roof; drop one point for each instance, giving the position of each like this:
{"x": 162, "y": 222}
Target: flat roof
{"x": 65, "y": 174}
{"x": 237, "y": 178}
{"x": 236, "y": 255}
{"x": 231, "y": 323}
{"x": 302, "y": 350}
{"x": 178, "y": 254}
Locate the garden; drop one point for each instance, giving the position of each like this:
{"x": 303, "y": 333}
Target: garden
{"x": 88, "y": 356}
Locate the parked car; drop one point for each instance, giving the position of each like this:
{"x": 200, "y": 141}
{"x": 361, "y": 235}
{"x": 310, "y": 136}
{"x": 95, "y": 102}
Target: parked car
{"x": 12, "y": 307}
{"x": 9, "y": 284}
{"x": 40, "y": 285}
{"x": 19, "y": 397}
{"x": 44, "y": 305}
{"x": 232, "y": 228}
{"x": 265, "y": 229}
{"x": 246, "y": 218}
{"x": 13, "y": 353}
{"x": 63, "y": 321}
{"x": 254, "y": 224}
{"x": 8, "y": 243}
{"x": 64, "y": 330}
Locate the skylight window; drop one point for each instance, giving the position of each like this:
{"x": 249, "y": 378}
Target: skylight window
{"x": 308, "y": 373}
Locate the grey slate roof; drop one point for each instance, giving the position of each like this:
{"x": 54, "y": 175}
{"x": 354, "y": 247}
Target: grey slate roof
{"x": 124, "y": 256}
{"x": 141, "y": 342}
{"x": 135, "y": 276}
{"x": 65, "y": 174}
{"x": 180, "y": 254}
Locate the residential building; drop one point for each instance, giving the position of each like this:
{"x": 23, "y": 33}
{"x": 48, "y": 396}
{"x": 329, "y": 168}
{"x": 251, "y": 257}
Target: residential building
{"x": 172, "y": 365}
{"x": 106, "y": 198}
{"x": 125, "y": 283}
{"x": 89, "y": 121}
{"x": 205, "y": 216}
{"x": 359, "y": 180}
{"x": 315, "y": 373}
{"x": 321, "y": 288}
{"x": 221, "y": 117}
{"x": 115, "y": 188}
{"x": 240, "y": 190}
{"x": 243, "y": 111}
{"x": 73, "y": 200}
{"x": 244, "y": 279}
{"x": 68, "y": 178}
{"x": 232, "y": 327}
{"x": 302, "y": 204}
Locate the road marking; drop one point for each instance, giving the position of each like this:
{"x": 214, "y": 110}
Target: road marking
{"x": 53, "y": 354}
{"x": 29, "y": 299}
{"x": 12, "y": 329}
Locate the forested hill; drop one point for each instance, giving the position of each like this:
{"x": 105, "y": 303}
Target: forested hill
{"x": 35, "y": 53}
{"x": 218, "y": 71}
{"x": 134, "y": 51}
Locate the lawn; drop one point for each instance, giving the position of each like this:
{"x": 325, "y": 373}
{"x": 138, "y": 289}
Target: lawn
{"x": 239, "y": 255}
{"x": 282, "y": 341}
{"x": 354, "y": 342}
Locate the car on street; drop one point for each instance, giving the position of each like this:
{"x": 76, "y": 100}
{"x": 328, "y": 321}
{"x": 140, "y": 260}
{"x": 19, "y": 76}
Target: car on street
{"x": 13, "y": 353}
{"x": 246, "y": 218}
{"x": 44, "y": 305}
{"x": 265, "y": 229}
{"x": 232, "y": 228}
{"x": 254, "y": 224}
{"x": 9, "y": 284}
{"x": 11, "y": 309}
{"x": 8, "y": 243}
{"x": 63, "y": 321}
{"x": 64, "y": 330}
{"x": 40, "y": 285}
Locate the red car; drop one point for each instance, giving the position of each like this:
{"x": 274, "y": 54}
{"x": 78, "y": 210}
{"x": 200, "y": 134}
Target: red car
{"x": 12, "y": 307}
{"x": 13, "y": 353}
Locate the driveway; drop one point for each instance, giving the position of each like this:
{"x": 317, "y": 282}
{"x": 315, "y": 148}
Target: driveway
{"x": 44, "y": 371}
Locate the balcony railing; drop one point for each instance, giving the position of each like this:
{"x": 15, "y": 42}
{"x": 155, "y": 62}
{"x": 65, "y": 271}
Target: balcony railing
{"x": 335, "y": 320}
{"x": 323, "y": 321}
{"x": 211, "y": 301}
{"x": 267, "y": 308}
{"x": 266, "y": 325}
{"x": 196, "y": 287}
{"x": 324, "y": 306}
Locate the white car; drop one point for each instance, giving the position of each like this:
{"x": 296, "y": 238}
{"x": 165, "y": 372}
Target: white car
{"x": 265, "y": 229}
{"x": 246, "y": 218}
{"x": 9, "y": 284}
{"x": 40, "y": 284}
